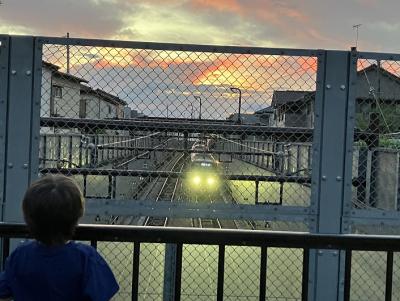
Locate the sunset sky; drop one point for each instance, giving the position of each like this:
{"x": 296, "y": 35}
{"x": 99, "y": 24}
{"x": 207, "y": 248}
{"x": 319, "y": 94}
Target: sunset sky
{"x": 271, "y": 23}
{"x": 161, "y": 82}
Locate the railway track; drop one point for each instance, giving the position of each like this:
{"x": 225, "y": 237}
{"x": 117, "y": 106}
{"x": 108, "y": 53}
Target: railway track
{"x": 167, "y": 193}
{"x": 151, "y": 186}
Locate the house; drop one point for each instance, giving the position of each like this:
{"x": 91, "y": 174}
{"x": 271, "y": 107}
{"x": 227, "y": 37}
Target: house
{"x": 293, "y": 108}
{"x": 98, "y": 104}
{"x": 377, "y": 90}
{"x": 60, "y": 92}
{"x": 266, "y": 115}
{"x": 66, "y": 95}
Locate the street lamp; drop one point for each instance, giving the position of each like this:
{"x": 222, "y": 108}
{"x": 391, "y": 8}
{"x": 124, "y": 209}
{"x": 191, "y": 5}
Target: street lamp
{"x": 198, "y": 98}
{"x": 237, "y": 90}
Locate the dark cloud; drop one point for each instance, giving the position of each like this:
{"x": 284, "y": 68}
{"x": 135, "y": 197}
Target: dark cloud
{"x": 278, "y": 23}
{"x": 56, "y": 17}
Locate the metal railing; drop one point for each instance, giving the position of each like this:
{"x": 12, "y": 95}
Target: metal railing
{"x": 223, "y": 238}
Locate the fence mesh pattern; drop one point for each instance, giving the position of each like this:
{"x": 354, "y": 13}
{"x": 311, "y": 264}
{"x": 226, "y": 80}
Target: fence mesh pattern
{"x": 200, "y": 127}
{"x": 210, "y": 127}
{"x": 209, "y": 120}
{"x": 376, "y": 156}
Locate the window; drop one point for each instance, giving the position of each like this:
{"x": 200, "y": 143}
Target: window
{"x": 82, "y": 108}
{"x": 109, "y": 109}
{"x": 57, "y": 91}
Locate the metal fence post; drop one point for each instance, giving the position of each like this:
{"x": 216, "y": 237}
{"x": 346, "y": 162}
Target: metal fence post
{"x": 331, "y": 122}
{"x": 4, "y": 52}
{"x": 21, "y": 157}
{"x": 169, "y": 272}
{"x": 348, "y": 161}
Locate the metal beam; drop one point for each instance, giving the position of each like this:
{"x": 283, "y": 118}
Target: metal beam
{"x": 331, "y": 171}
{"x": 281, "y": 239}
{"x": 171, "y": 174}
{"x": 4, "y": 55}
{"x": 178, "y": 47}
{"x": 284, "y": 134}
{"x": 190, "y": 151}
{"x": 202, "y": 210}
{"x": 19, "y": 118}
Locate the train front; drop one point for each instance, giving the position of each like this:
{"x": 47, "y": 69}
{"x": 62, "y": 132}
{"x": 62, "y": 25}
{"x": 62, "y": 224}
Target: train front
{"x": 203, "y": 178}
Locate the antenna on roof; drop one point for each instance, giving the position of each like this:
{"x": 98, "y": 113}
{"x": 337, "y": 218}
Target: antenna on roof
{"x": 356, "y": 27}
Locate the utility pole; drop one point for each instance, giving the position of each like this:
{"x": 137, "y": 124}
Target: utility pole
{"x": 356, "y": 27}
{"x": 68, "y": 53}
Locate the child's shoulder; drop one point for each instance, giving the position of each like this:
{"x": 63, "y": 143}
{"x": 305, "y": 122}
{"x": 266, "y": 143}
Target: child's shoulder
{"x": 26, "y": 246}
{"x": 82, "y": 248}
{"x": 86, "y": 250}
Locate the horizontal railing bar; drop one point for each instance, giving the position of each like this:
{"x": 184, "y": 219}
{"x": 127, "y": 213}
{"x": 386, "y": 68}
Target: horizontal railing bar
{"x": 190, "y": 151}
{"x": 367, "y": 215}
{"x": 279, "y": 133}
{"x": 170, "y": 174}
{"x": 221, "y": 236}
{"x": 188, "y": 127}
{"x": 163, "y": 135}
{"x": 179, "y": 47}
{"x": 220, "y": 210}
{"x": 379, "y": 56}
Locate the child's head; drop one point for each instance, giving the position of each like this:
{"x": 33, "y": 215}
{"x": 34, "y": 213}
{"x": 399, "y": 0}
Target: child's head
{"x": 52, "y": 207}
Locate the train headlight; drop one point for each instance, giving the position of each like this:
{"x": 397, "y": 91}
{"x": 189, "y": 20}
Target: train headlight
{"x": 211, "y": 181}
{"x": 196, "y": 180}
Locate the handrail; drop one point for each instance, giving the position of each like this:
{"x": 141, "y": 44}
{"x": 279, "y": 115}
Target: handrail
{"x": 222, "y": 236}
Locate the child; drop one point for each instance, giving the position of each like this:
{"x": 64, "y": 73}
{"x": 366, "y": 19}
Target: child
{"x": 51, "y": 267}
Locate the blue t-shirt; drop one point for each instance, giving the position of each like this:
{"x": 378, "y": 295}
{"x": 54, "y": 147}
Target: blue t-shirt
{"x": 71, "y": 272}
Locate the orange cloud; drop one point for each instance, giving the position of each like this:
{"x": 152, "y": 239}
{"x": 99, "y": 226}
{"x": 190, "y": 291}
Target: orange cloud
{"x": 249, "y": 72}
{"x": 258, "y": 72}
{"x": 221, "y": 5}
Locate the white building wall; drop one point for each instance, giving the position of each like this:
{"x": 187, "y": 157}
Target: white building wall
{"x": 107, "y": 110}
{"x": 45, "y": 92}
{"x": 98, "y": 108}
{"x": 92, "y": 106}
{"x": 68, "y": 104}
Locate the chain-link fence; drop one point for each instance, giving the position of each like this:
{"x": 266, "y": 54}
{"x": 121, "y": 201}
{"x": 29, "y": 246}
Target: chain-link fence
{"x": 117, "y": 108}
{"x": 191, "y": 127}
{"x": 219, "y": 137}
{"x": 376, "y": 163}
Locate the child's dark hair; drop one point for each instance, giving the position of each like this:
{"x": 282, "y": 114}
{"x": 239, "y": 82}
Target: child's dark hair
{"x": 52, "y": 207}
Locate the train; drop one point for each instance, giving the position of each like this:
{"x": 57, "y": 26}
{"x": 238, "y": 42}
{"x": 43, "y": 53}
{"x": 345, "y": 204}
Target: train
{"x": 203, "y": 172}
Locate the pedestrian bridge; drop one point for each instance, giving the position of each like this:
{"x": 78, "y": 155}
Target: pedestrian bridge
{"x": 300, "y": 163}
